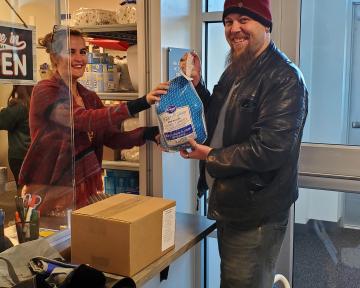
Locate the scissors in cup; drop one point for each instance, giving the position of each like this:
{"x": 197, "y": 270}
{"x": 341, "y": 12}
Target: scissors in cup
{"x": 31, "y": 200}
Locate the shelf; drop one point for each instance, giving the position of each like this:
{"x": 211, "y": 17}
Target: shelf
{"x": 124, "y": 96}
{"x": 124, "y": 32}
{"x": 120, "y": 165}
{"x": 107, "y": 28}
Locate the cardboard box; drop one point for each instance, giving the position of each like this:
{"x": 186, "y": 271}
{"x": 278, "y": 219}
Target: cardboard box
{"x": 123, "y": 234}
{"x": 111, "y": 154}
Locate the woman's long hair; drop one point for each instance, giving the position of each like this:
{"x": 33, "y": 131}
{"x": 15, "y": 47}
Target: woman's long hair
{"x": 20, "y": 94}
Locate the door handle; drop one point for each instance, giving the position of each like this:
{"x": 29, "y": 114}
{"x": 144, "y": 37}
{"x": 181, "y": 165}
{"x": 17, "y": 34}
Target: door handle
{"x": 355, "y": 124}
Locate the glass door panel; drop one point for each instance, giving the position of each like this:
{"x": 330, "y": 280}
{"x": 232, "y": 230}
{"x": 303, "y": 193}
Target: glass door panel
{"x": 352, "y": 202}
{"x": 326, "y": 222}
{"x": 47, "y": 164}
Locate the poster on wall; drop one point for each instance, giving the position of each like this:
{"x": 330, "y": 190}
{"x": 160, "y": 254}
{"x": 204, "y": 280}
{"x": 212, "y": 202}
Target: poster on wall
{"x": 17, "y": 54}
{"x": 174, "y": 56}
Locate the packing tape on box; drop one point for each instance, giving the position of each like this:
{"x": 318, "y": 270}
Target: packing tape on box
{"x": 117, "y": 208}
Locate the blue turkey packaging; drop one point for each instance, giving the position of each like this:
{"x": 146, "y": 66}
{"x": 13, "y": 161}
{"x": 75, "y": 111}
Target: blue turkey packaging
{"x": 181, "y": 116}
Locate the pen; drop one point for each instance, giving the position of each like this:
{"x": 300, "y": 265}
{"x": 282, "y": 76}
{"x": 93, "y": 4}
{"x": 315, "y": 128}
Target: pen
{"x": 19, "y": 227}
{"x": 27, "y": 224}
{"x": 34, "y": 225}
{"x": 17, "y": 217}
{"x": 19, "y": 202}
{"x": 2, "y": 236}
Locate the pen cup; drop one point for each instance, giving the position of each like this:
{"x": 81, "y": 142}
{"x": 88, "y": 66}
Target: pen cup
{"x": 27, "y": 231}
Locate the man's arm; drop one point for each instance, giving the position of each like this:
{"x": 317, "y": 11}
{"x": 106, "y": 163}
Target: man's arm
{"x": 204, "y": 94}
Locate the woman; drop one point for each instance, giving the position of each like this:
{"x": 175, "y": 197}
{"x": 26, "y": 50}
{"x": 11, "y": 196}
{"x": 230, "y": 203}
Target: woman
{"x": 15, "y": 119}
{"x": 49, "y": 167}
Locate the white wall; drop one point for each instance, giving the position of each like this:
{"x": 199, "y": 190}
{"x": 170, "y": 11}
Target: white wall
{"x": 176, "y": 31}
{"x": 173, "y": 24}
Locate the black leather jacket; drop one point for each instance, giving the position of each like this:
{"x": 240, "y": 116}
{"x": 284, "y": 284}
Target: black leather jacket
{"x": 256, "y": 170}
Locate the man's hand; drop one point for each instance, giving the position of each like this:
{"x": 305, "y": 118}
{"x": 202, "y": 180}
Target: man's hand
{"x": 198, "y": 151}
{"x": 196, "y": 71}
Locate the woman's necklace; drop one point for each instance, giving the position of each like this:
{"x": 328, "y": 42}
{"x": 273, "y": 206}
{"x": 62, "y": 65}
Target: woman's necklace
{"x": 79, "y": 101}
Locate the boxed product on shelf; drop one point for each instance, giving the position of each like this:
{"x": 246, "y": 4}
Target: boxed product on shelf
{"x": 131, "y": 155}
{"x": 124, "y": 81}
{"x": 124, "y": 233}
{"x": 111, "y": 81}
{"x": 88, "y": 16}
{"x": 95, "y": 58}
{"x": 86, "y": 80}
{"x": 111, "y": 154}
{"x": 109, "y": 185}
{"x": 101, "y": 67}
{"x": 97, "y": 80}
{"x": 101, "y": 74}
{"x": 121, "y": 181}
{"x": 126, "y": 12}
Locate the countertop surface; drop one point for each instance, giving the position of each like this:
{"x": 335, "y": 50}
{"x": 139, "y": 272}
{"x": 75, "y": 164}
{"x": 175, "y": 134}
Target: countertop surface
{"x": 190, "y": 229}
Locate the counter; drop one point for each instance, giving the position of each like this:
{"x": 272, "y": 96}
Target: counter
{"x": 190, "y": 229}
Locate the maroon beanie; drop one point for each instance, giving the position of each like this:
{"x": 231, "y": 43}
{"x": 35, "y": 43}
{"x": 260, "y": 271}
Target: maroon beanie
{"x": 258, "y": 10}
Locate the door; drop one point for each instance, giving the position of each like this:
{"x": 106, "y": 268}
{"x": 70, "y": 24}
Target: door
{"x": 352, "y": 201}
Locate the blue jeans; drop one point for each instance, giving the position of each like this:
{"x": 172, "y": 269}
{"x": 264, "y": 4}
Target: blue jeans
{"x": 248, "y": 257}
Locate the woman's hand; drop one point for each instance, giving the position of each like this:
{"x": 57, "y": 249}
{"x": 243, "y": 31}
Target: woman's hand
{"x": 157, "y": 139}
{"x": 198, "y": 151}
{"x": 152, "y": 134}
{"x": 156, "y": 93}
{"x": 196, "y": 71}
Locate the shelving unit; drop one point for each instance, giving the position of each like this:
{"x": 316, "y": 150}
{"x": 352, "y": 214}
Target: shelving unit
{"x": 124, "y": 32}
{"x": 127, "y": 32}
{"x": 107, "y": 28}
{"x": 122, "y": 96}
{"x": 120, "y": 165}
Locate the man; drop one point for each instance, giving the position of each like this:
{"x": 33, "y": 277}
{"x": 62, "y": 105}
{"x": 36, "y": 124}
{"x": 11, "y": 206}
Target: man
{"x": 255, "y": 119}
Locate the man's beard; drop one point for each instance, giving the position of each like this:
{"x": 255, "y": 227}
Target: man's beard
{"x": 240, "y": 64}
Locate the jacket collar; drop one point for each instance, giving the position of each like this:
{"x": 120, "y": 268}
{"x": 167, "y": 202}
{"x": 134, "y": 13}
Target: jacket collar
{"x": 262, "y": 58}
{"x": 266, "y": 53}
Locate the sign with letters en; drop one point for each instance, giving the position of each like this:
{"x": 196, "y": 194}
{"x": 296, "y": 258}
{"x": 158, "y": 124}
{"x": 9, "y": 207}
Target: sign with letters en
{"x": 17, "y": 54}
